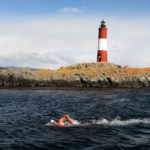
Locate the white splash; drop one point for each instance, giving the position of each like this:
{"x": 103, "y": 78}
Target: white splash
{"x": 118, "y": 122}
{"x": 114, "y": 122}
{"x": 49, "y": 123}
{"x": 76, "y": 122}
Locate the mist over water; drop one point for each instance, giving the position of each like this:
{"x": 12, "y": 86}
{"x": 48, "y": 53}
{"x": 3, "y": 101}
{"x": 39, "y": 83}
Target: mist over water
{"x": 117, "y": 119}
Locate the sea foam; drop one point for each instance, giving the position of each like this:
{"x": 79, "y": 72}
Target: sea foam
{"x": 119, "y": 122}
{"x": 114, "y": 122}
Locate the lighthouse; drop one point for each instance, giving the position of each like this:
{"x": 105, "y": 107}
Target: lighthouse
{"x": 102, "y": 43}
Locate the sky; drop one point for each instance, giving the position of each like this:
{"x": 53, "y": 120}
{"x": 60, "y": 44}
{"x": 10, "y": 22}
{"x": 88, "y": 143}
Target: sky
{"x": 49, "y": 34}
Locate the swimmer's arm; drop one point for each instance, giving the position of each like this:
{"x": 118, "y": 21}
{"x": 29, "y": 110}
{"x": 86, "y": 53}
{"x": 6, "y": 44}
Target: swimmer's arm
{"x": 62, "y": 119}
{"x": 69, "y": 119}
{"x": 55, "y": 123}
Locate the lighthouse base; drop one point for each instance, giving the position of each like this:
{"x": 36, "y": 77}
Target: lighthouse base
{"x": 102, "y": 56}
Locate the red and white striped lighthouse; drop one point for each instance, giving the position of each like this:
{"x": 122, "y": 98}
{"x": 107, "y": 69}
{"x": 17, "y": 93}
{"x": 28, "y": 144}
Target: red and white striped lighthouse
{"x": 102, "y": 43}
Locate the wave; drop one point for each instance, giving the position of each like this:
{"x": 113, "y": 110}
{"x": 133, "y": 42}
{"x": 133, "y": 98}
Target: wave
{"x": 120, "y": 100}
{"x": 114, "y": 122}
{"x": 118, "y": 122}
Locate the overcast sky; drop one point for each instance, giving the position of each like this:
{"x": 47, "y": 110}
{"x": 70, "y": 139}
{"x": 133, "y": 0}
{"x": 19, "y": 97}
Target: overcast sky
{"x": 50, "y": 34}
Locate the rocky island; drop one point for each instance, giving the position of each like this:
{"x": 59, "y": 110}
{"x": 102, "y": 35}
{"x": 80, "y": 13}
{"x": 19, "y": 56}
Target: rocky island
{"x": 80, "y": 75}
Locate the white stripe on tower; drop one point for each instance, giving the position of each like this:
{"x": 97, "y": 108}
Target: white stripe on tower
{"x": 102, "y": 44}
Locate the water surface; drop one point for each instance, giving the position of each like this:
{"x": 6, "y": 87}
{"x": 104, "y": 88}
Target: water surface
{"x": 119, "y": 119}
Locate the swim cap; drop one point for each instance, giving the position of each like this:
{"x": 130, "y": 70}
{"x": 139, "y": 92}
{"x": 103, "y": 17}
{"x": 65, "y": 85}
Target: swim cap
{"x": 52, "y": 121}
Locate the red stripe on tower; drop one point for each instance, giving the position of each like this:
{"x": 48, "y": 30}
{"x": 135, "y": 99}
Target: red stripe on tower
{"x": 102, "y": 43}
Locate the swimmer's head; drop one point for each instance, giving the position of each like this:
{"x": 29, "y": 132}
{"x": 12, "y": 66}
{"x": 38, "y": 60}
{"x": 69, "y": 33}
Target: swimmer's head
{"x": 52, "y": 121}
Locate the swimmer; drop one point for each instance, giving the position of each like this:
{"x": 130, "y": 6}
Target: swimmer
{"x": 61, "y": 122}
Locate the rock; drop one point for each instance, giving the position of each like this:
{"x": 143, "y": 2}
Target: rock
{"x": 79, "y": 75}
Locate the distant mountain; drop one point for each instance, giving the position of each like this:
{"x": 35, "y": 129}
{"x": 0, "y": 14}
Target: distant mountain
{"x": 14, "y": 67}
{"x": 3, "y": 68}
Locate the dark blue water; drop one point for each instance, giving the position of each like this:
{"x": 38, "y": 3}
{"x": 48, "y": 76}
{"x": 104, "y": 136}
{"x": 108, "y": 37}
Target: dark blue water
{"x": 119, "y": 119}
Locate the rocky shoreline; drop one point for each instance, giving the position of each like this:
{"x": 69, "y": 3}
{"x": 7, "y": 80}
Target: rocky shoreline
{"x": 94, "y": 75}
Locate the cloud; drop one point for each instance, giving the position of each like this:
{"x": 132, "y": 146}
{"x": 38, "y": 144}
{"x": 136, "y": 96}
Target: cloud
{"x": 70, "y": 10}
{"x": 51, "y": 43}
{"x": 128, "y": 42}
{"x": 36, "y": 60}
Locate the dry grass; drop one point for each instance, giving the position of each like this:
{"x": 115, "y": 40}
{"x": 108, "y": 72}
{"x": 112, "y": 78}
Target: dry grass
{"x": 44, "y": 73}
{"x": 91, "y": 71}
{"x": 136, "y": 70}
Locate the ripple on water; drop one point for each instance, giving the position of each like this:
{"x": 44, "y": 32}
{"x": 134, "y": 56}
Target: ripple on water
{"x": 115, "y": 119}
